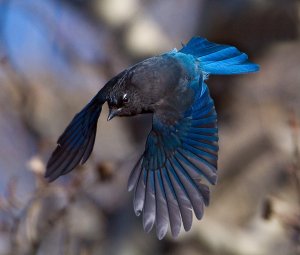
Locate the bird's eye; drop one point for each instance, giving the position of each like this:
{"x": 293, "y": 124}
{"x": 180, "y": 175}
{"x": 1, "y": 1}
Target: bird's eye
{"x": 125, "y": 98}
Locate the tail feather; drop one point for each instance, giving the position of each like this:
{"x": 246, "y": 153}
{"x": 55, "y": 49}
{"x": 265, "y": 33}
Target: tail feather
{"x": 219, "y": 59}
{"x": 76, "y": 143}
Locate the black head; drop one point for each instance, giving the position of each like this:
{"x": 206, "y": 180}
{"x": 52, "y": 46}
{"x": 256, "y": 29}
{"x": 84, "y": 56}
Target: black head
{"x": 124, "y": 98}
{"x": 121, "y": 103}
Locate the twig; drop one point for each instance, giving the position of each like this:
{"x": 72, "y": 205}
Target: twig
{"x": 295, "y": 131}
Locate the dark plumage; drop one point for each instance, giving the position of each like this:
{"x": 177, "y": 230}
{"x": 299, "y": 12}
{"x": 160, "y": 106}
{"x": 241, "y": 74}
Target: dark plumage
{"x": 182, "y": 148}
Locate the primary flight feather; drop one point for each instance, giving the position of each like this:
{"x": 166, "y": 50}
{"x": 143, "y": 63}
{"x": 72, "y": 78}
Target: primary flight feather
{"x": 181, "y": 149}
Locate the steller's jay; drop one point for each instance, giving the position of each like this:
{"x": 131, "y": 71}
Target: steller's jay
{"x": 181, "y": 149}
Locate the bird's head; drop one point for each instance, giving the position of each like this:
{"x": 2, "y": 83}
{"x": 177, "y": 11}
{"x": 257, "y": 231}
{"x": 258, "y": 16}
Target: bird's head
{"x": 124, "y": 98}
{"x": 139, "y": 88}
{"x": 121, "y": 103}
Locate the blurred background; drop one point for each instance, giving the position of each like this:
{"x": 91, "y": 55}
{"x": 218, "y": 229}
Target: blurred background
{"x": 55, "y": 55}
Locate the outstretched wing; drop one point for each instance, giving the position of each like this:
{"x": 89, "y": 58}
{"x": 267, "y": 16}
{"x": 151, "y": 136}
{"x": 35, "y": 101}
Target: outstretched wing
{"x": 76, "y": 143}
{"x": 167, "y": 178}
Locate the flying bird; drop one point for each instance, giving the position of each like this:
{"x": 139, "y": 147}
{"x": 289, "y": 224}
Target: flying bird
{"x": 170, "y": 180}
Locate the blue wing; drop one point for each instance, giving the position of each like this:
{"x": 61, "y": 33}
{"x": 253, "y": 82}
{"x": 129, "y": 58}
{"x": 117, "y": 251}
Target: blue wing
{"x": 76, "y": 143}
{"x": 167, "y": 178}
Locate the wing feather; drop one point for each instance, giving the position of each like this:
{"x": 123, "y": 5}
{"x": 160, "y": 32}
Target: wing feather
{"x": 177, "y": 157}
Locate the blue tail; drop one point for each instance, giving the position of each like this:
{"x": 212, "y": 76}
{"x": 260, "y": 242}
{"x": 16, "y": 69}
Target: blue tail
{"x": 217, "y": 58}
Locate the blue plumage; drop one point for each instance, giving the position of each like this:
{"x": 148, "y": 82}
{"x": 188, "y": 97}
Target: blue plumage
{"x": 219, "y": 59}
{"x": 75, "y": 145}
{"x": 186, "y": 151}
{"x": 181, "y": 151}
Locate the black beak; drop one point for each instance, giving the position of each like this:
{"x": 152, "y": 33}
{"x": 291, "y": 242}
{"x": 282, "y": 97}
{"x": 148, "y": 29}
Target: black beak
{"x": 112, "y": 113}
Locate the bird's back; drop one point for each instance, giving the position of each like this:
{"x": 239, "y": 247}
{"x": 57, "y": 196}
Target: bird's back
{"x": 164, "y": 71}
{"x": 165, "y": 79}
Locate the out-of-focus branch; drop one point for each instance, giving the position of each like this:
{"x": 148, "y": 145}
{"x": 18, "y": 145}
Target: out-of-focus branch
{"x": 295, "y": 166}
